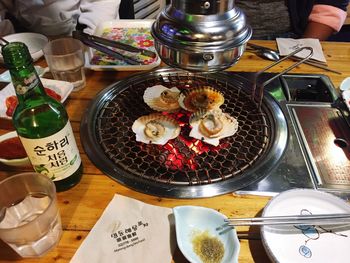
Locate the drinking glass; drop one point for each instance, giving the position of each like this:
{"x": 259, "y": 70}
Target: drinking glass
{"x": 65, "y": 58}
{"x": 29, "y": 218}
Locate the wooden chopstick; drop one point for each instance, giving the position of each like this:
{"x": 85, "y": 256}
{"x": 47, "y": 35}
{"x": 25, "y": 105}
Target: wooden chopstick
{"x": 320, "y": 219}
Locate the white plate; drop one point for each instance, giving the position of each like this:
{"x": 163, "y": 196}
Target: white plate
{"x": 13, "y": 162}
{"x": 113, "y": 30}
{"x": 34, "y": 41}
{"x": 62, "y": 88}
{"x": 313, "y": 243}
{"x": 346, "y": 97}
{"x": 191, "y": 219}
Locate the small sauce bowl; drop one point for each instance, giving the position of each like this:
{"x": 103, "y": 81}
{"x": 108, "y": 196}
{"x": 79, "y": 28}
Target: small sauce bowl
{"x": 15, "y": 161}
{"x": 194, "y": 221}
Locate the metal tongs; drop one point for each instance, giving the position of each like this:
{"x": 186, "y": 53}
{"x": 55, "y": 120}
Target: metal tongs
{"x": 103, "y": 44}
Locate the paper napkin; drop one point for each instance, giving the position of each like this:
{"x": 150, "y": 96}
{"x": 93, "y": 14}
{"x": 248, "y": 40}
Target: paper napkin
{"x": 288, "y": 45}
{"x": 130, "y": 231}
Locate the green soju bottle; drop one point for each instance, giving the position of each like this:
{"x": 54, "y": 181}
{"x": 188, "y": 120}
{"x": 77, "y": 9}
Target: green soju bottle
{"x": 42, "y": 122}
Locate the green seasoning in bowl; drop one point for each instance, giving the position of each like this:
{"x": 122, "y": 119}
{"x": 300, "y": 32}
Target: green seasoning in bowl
{"x": 209, "y": 248}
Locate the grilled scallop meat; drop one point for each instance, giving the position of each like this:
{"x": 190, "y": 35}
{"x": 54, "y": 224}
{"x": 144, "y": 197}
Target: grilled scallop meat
{"x": 161, "y": 98}
{"x": 155, "y": 129}
{"x": 213, "y": 125}
{"x": 203, "y": 98}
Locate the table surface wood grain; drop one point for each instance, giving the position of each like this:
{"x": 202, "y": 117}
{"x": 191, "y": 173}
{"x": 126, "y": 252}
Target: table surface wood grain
{"x": 82, "y": 205}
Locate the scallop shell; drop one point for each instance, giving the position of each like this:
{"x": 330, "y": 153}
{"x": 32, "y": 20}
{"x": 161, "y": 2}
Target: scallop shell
{"x": 203, "y": 98}
{"x": 161, "y": 98}
{"x": 211, "y": 126}
{"x": 155, "y": 129}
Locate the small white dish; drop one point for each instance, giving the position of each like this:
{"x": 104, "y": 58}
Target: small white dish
{"x": 63, "y": 88}
{"x": 13, "y": 162}
{"x": 346, "y": 97}
{"x": 306, "y": 243}
{"x": 6, "y": 77}
{"x": 190, "y": 220}
{"x": 345, "y": 91}
{"x": 345, "y": 84}
{"x": 34, "y": 41}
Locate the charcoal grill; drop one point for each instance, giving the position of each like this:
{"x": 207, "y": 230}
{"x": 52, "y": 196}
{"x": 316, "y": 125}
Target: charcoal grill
{"x": 184, "y": 167}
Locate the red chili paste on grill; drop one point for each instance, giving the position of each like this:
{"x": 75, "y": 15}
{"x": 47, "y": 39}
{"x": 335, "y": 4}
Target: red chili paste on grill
{"x": 12, "y": 148}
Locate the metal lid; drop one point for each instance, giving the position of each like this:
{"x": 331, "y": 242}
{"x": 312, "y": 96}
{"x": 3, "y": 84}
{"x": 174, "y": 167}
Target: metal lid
{"x": 198, "y": 26}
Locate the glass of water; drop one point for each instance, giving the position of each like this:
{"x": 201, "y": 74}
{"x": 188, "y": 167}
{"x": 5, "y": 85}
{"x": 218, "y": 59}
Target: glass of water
{"x": 29, "y": 218}
{"x": 65, "y": 58}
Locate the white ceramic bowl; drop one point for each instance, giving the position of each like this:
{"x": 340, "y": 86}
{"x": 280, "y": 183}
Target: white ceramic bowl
{"x": 34, "y": 41}
{"x": 195, "y": 219}
{"x": 13, "y": 162}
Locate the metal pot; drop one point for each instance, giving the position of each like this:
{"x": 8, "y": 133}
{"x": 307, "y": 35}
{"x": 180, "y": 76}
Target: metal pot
{"x": 199, "y": 35}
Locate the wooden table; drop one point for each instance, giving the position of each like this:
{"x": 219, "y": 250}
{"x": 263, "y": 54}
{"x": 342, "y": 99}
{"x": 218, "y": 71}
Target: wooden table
{"x": 82, "y": 205}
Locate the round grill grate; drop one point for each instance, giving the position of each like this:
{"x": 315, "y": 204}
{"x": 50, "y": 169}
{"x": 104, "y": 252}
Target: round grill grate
{"x": 183, "y": 162}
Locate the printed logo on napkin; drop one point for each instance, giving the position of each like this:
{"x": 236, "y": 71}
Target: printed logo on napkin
{"x": 130, "y": 231}
{"x": 288, "y": 45}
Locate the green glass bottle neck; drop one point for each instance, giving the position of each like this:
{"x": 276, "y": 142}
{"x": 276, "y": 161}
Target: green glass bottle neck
{"x": 23, "y": 74}
{"x": 26, "y": 82}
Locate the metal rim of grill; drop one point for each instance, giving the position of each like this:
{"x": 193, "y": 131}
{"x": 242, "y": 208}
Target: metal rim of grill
{"x": 184, "y": 167}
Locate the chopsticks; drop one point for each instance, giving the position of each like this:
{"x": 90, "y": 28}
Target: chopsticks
{"x": 3, "y": 40}
{"x": 320, "y": 219}
{"x": 103, "y": 44}
{"x": 317, "y": 65}
{"x": 308, "y": 62}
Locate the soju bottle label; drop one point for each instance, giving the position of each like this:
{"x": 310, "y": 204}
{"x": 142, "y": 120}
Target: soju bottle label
{"x": 56, "y": 156}
{"x": 27, "y": 84}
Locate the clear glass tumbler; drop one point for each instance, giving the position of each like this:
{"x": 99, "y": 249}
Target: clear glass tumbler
{"x": 30, "y": 222}
{"x": 65, "y": 58}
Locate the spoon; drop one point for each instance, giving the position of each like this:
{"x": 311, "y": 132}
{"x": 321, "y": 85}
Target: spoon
{"x": 263, "y": 52}
{"x": 194, "y": 222}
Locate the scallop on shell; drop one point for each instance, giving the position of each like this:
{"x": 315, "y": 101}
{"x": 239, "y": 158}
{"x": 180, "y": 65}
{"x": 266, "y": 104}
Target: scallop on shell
{"x": 202, "y": 98}
{"x": 161, "y": 98}
{"x": 155, "y": 129}
{"x": 213, "y": 125}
